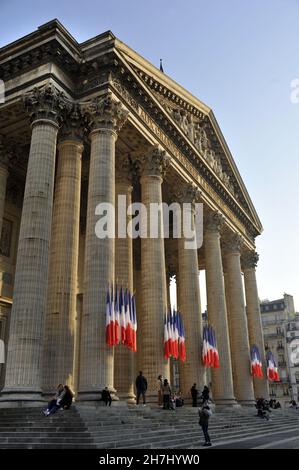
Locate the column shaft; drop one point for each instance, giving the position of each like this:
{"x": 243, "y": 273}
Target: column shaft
{"x": 239, "y": 340}
{"x": 123, "y": 357}
{"x": 23, "y": 379}
{"x": 62, "y": 286}
{"x": 192, "y": 370}
{"x": 154, "y": 297}
{"x": 222, "y": 381}
{"x": 261, "y": 387}
{"x": 96, "y": 358}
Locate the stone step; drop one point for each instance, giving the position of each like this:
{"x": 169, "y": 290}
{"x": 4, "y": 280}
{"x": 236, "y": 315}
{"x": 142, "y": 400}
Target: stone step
{"x": 177, "y": 437}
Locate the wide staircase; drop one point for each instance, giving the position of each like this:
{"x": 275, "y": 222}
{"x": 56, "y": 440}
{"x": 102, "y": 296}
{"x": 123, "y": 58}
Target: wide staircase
{"x": 133, "y": 427}
{"x": 28, "y": 428}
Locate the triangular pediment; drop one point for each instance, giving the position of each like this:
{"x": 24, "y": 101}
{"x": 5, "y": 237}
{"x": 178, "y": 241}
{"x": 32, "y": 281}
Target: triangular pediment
{"x": 198, "y": 124}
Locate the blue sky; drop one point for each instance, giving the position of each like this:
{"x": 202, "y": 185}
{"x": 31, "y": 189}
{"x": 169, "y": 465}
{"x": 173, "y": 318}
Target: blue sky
{"x": 237, "y": 56}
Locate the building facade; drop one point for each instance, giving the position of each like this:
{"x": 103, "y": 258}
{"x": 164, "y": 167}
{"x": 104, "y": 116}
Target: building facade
{"x": 278, "y": 319}
{"x": 292, "y": 337}
{"x": 81, "y": 125}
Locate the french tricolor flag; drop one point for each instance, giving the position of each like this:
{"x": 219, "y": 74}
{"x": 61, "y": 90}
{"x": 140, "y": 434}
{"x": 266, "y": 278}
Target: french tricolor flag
{"x": 256, "y": 363}
{"x": 134, "y": 324}
{"x": 166, "y": 339}
{"x": 272, "y": 370}
{"x": 122, "y": 317}
{"x": 182, "y": 344}
{"x": 210, "y": 356}
{"x": 109, "y": 323}
{"x": 129, "y": 332}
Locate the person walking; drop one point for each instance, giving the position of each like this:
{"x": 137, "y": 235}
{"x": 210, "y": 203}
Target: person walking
{"x": 166, "y": 390}
{"x": 194, "y": 393}
{"x": 141, "y": 387}
{"x": 204, "y": 415}
{"x": 106, "y": 396}
{"x": 159, "y": 387}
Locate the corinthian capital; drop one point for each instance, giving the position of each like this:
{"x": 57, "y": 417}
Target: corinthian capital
{"x": 105, "y": 113}
{"x": 213, "y": 222}
{"x": 46, "y": 103}
{"x": 154, "y": 163}
{"x": 250, "y": 260}
{"x": 75, "y": 124}
{"x": 188, "y": 193}
{"x": 232, "y": 243}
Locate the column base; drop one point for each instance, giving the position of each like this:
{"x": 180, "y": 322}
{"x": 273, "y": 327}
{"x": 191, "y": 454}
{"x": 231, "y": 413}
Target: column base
{"x": 226, "y": 402}
{"x": 94, "y": 396}
{"x": 246, "y": 402}
{"x": 11, "y": 398}
{"x": 129, "y": 398}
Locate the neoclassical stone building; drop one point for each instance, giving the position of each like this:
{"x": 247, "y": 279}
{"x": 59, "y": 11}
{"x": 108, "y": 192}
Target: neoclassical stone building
{"x": 81, "y": 124}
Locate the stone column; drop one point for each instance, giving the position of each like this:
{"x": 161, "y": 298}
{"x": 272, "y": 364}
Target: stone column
{"x": 222, "y": 380}
{"x": 3, "y": 181}
{"x": 255, "y": 330}
{"x": 191, "y": 371}
{"x": 123, "y": 357}
{"x": 153, "y": 275}
{"x": 23, "y": 373}
{"x": 96, "y": 358}
{"x": 239, "y": 340}
{"x": 58, "y": 355}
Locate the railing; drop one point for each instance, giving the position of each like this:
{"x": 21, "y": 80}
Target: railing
{"x": 279, "y": 334}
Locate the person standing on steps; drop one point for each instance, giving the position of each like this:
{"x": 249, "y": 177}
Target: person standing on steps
{"x": 204, "y": 414}
{"x": 160, "y": 386}
{"x": 205, "y": 395}
{"x": 166, "y": 395}
{"x": 141, "y": 387}
{"x": 106, "y": 397}
{"x": 194, "y": 393}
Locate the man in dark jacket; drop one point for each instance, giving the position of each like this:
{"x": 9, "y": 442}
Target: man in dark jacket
{"x": 194, "y": 393}
{"x": 141, "y": 387}
{"x": 204, "y": 416}
{"x": 106, "y": 397}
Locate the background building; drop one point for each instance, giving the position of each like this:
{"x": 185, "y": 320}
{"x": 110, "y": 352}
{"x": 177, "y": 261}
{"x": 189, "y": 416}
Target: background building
{"x": 277, "y": 316}
{"x": 292, "y": 339}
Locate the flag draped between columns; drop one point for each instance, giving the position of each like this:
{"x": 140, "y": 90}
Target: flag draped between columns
{"x": 121, "y": 318}
{"x": 210, "y": 356}
{"x": 174, "y": 336}
{"x": 272, "y": 369}
{"x": 256, "y": 362}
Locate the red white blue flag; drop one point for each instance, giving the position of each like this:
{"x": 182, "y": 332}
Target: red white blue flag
{"x": 109, "y": 324}
{"x": 256, "y": 363}
{"x": 210, "y": 356}
{"x": 134, "y": 324}
{"x": 121, "y": 318}
{"x": 116, "y": 318}
{"x": 272, "y": 370}
{"x": 182, "y": 344}
{"x": 174, "y": 336}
